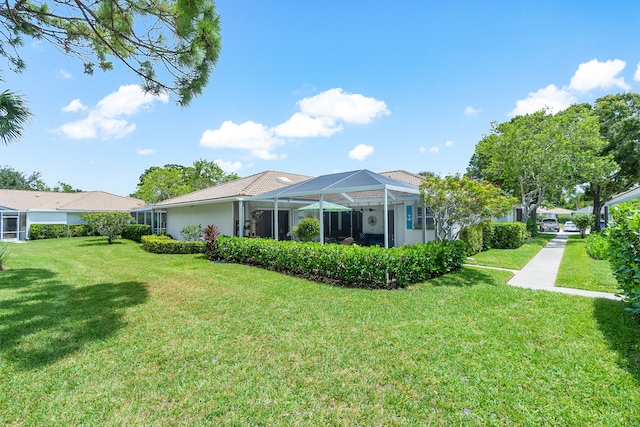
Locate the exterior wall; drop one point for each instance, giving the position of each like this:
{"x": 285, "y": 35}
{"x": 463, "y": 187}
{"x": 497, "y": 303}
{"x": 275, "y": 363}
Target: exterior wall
{"x": 220, "y": 214}
{"x": 74, "y": 219}
{"x": 47, "y": 218}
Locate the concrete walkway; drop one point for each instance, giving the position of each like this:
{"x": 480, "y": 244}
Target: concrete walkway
{"x": 540, "y": 273}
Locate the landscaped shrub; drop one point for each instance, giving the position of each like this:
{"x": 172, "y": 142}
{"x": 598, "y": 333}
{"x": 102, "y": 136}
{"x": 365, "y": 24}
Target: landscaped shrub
{"x": 597, "y": 246}
{"x": 508, "y": 235}
{"x": 136, "y": 231}
{"x": 624, "y": 239}
{"x": 166, "y": 245}
{"x": 48, "y": 231}
{"x": 307, "y": 229}
{"x": 109, "y": 224}
{"x": 562, "y": 218}
{"x": 191, "y": 233}
{"x": 355, "y": 266}
{"x": 79, "y": 230}
{"x": 473, "y": 237}
{"x": 211, "y": 234}
{"x": 583, "y": 221}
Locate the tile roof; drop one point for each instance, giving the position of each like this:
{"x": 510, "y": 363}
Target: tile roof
{"x": 249, "y": 186}
{"x": 404, "y": 176}
{"x": 86, "y": 201}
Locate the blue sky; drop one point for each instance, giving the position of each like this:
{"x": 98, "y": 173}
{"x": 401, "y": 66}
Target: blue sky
{"x": 321, "y": 87}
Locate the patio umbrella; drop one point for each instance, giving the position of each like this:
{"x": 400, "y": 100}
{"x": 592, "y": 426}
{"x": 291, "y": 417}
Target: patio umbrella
{"x": 326, "y": 207}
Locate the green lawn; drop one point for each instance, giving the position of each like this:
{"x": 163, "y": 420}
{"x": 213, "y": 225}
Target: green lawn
{"x": 96, "y": 334}
{"x": 513, "y": 259}
{"x": 578, "y": 270}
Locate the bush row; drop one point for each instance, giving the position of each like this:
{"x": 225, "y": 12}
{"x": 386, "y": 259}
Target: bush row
{"x": 54, "y": 231}
{"x": 493, "y": 235}
{"x": 624, "y": 241}
{"x": 597, "y": 246}
{"x": 353, "y": 266}
{"x": 136, "y": 231}
{"x": 166, "y": 245}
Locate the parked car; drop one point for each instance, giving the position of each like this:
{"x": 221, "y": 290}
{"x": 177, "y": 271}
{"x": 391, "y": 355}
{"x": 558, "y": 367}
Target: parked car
{"x": 549, "y": 224}
{"x": 570, "y": 227}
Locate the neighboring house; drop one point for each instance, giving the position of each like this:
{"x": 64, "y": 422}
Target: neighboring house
{"x": 254, "y": 207}
{"x": 627, "y": 196}
{"x": 19, "y": 209}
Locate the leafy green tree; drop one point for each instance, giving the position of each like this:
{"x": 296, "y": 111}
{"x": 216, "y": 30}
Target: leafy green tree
{"x": 180, "y": 38}
{"x": 110, "y": 224}
{"x": 537, "y": 155}
{"x": 583, "y": 222}
{"x": 459, "y": 201}
{"x": 619, "y": 119}
{"x": 11, "y": 179}
{"x": 63, "y": 187}
{"x": 192, "y": 233}
{"x": 14, "y": 115}
{"x": 161, "y": 183}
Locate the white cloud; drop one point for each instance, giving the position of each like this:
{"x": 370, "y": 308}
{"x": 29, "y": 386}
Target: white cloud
{"x": 251, "y": 136}
{"x": 423, "y": 150}
{"x": 636, "y": 76}
{"x": 74, "y": 106}
{"x": 105, "y": 119}
{"x": 551, "y": 97}
{"x": 319, "y": 115}
{"x": 595, "y": 74}
{"x": 63, "y": 74}
{"x": 339, "y": 105}
{"x": 434, "y": 149}
{"x": 301, "y": 125}
{"x": 361, "y": 152}
{"x": 449, "y": 144}
{"x": 145, "y": 151}
{"x": 228, "y": 167}
{"x": 470, "y": 111}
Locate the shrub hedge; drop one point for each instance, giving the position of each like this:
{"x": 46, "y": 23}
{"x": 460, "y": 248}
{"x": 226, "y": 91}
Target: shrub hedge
{"x": 624, "y": 241}
{"x": 136, "y": 231}
{"x": 48, "y": 231}
{"x": 493, "y": 235}
{"x": 166, "y": 245}
{"x": 353, "y": 266}
{"x": 597, "y": 246}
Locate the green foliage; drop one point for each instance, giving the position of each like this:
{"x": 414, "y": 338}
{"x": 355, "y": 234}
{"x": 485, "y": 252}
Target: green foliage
{"x": 353, "y": 266}
{"x": 582, "y": 221}
{"x": 597, "y": 246}
{"x": 624, "y": 241}
{"x": 562, "y": 218}
{"x": 181, "y": 38}
{"x": 166, "y": 245}
{"x": 15, "y": 115}
{"x": 136, "y": 231}
{"x": 508, "y": 235}
{"x": 12, "y": 179}
{"x": 537, "y": 155}
{"x": 110, "y": 224}
{"x": 80, "y": 230}
{"x": 493, "y": 235}
{"x": 307, "y": 229}
{"x": 533, "y": 227}
{"x": 191, "y": 233}
{"x": 48, "y": 231}
{"x": 458, "y": 202}
{"x": 161, "y": 183}
{"x": 473, "y": 237}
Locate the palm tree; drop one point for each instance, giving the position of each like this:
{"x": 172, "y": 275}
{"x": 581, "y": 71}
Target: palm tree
{"x": 14, "y": 114}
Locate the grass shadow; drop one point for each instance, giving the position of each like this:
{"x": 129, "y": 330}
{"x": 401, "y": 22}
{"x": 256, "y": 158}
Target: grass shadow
{"x": 44, "y": 319}
{"x": 101, "y": 242}
{"x": 471, "y": 276}
{"x": 622, "y": 332}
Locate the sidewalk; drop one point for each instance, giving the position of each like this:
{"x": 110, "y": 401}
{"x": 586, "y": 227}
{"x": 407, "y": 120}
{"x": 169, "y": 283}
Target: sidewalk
{"x": 540, "y": 273}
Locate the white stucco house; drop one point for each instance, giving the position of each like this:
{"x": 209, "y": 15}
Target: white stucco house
{"x": 385, "y": 208}
{"x": 627, "y": 196}
{"x": 19, "y": 209}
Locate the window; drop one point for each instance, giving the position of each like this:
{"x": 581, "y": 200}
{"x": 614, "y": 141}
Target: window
{"x": 417, "y": 223}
